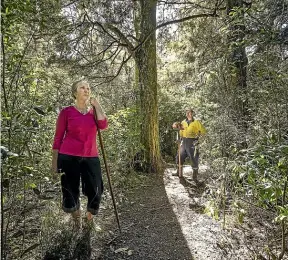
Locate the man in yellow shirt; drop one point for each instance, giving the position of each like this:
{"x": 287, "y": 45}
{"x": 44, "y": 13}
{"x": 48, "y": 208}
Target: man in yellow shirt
{"x": 190, "y": 131}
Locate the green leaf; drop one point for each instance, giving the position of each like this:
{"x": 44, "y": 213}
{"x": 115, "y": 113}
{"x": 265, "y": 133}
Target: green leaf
{"x": 32, "y": 185}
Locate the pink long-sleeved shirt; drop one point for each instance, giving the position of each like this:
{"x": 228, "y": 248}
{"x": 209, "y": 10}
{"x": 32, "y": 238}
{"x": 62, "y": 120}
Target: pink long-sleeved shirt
{"x": 76, "y": 133}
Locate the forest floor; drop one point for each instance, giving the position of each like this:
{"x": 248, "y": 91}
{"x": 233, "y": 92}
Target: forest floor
{"x": 161, "y": 217}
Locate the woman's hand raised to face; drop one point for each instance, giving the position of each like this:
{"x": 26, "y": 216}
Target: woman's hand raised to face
{"x": 94, "y": 102}
{"x": 99, "y": 112}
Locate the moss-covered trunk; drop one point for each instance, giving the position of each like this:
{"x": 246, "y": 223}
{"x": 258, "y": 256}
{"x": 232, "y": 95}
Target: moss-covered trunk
{"x": 147, "y": 82}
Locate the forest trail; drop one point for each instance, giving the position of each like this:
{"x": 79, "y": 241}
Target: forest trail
{"x": 164, "y": 219}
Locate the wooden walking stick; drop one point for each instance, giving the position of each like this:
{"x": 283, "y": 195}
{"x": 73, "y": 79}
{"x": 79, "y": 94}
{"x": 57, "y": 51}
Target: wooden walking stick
{"x": 196, "y": 144}
{"x": 179, "y": 155}
{"x": 107, "y": 169}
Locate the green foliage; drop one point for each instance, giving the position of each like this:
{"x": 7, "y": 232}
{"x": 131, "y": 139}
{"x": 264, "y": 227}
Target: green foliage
{"x": 239, "y": 211}
{"x": 212, "y": 210}
{"x": 171, "y": 107}
{"x": 260, "y": 173}
{"x": 123, "y": 138}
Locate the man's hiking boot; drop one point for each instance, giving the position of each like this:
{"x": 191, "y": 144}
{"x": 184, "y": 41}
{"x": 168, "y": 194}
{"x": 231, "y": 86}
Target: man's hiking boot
{"x": 182, "y": 181}
{"x": 195, "y": 175}
{"x": 175, "y": 174}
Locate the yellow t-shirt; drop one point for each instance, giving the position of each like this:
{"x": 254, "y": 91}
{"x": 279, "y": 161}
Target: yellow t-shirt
{"x": 194, "y": 129}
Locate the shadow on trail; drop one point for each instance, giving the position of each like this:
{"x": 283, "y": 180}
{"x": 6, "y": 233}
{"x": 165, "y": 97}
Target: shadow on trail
{"x": 195, "y": 190}
{"x": 193, "y": 187}
{"x": 150, "y": 229}
{"x": 70, "y": 245}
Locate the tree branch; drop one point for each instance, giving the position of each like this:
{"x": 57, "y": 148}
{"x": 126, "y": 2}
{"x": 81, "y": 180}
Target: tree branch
{"x": 3, "y": 73}
{"x": 122, "y": 37}
{"x": 16, "y": 75}
{"x": 71, "y": 3}
{"x": 185, "y": 19}
{"x": 116, "y": 55}
{"x": 283, "y": 222}
{"x": 192, "y": 4}
{"x": 117, "y": 73}
{"x": 115, "y": 30}
{"x": 131, "y": 49}
{"x": 214, "y": 14}
{"x": 101, "y": 26}
{"x": 106, "y": 49}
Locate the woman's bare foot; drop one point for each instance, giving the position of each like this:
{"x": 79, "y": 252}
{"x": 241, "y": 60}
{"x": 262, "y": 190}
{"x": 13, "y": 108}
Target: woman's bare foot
{"x": 89, "y": 216}
{"x": 76, "y": 216}
{"x": 89, "y": 221}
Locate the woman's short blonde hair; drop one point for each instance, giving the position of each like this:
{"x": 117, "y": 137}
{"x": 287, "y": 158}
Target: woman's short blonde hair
{"x": 75, "y": 86}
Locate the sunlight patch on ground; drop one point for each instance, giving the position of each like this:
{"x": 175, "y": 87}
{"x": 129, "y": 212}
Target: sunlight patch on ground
{"x": 199, "y": 230}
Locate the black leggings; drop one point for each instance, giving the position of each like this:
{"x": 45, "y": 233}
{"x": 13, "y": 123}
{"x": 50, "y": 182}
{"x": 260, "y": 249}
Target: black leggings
{"x": 88, "y": 168}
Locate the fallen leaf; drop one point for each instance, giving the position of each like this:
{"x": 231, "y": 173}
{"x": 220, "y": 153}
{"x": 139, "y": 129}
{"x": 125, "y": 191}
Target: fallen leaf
{"x": 29, "y": 249}
{"x": 122, "y": 249}
{"x": 98, "y": 228}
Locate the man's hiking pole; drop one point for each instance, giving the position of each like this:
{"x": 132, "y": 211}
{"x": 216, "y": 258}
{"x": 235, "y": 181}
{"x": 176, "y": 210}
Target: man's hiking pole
{"x": 196, "y": 144}
{"x": 107, "y": 169}
{"x": 179, "y": 155}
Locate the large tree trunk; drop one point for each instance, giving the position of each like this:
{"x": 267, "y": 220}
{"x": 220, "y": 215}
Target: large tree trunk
{"x": 238, "y": 62}
{"x": 147, "y": 82}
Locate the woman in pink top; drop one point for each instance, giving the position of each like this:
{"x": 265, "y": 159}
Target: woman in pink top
{"x": 75, "y": 153}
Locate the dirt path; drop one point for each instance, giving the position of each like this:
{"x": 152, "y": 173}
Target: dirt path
{"x": 163, "y": 219}
{"x": 150, "y": 227}
{"x": 199, "y": 229}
